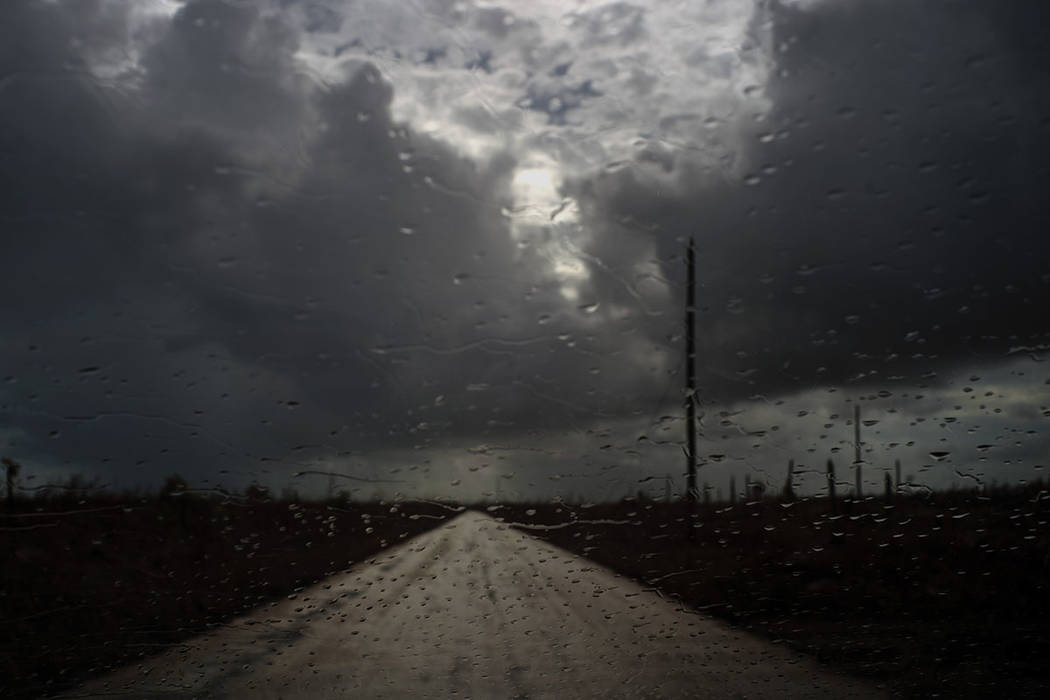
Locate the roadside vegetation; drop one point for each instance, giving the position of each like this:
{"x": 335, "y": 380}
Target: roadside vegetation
{"x": 92, "y": 580}
{"x": 929, "y": 595}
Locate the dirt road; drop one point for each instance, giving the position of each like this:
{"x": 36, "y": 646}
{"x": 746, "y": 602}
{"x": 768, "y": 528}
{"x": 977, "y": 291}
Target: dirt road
{"x": 476, "y": 609}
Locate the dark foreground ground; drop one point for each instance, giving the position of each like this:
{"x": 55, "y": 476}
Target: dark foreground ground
{"x": 943, "y": 597}
{"x": 476, "y": 609}
{"x": 947, "y": 596}
{"x": 91, "y": 584}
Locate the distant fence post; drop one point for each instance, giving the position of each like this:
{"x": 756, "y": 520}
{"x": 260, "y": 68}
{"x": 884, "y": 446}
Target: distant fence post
{"x": 831, "y": 487}
{"x": 889, "y": 488}
{"x": 856, "y": 442}
{"x": 690, "y": 388}
{"x": 789, "y": 486}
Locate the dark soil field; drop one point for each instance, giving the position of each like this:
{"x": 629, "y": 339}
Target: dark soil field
{"x": 93, "y": 583}
{"x": 946, "y": 596}
{"x": 942, "y": 596}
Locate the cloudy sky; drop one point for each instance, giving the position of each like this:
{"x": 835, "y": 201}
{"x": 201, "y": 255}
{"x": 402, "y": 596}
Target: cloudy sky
{"x": 437, "y": 245}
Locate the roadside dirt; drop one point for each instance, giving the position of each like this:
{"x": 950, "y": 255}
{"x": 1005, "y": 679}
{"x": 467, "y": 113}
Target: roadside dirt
{"x": 934, "y": 598}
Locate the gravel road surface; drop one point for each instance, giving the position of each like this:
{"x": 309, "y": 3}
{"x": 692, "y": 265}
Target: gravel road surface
{"x": 476, "y": 609}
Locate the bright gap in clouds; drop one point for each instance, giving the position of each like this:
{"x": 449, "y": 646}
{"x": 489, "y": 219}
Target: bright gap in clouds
{"x": 535, "y": 192}
{"x": 549, "y": 222}
{"x": 244, "y": 154}
{"x": 563, "y": 89}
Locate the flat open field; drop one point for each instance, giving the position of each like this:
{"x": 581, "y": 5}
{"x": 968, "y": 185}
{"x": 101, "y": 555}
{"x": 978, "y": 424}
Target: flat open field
{"x": 946, "y": 596}
{"x": 477, "y": 609}
{"x": 941, "y": 597}
{"x": 94, "y": 584}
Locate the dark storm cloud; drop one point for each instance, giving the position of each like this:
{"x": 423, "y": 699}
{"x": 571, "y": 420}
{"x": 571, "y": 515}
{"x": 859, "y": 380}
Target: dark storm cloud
{"x": 218, "y": 261}
{"x": 890, "y": 221}
{"x": 226, "y": 68}
{"x": 111, "y": 202}
{"x": 320, "y": 16}
{"x": 557, "y": 100}
{"x": 614, "y": 23}
{"x": 221, "y": 263}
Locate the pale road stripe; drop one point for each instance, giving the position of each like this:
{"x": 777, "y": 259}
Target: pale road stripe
{"x": 477, "y": 609}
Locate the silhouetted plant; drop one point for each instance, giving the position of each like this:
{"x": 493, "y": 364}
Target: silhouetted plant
{"x": 174, "y": 485}
{"x": 174, "y": 491}
{"x": 12, "y": 467}
{"x": 257, "y": 493}
{"x": 341, "y": 498}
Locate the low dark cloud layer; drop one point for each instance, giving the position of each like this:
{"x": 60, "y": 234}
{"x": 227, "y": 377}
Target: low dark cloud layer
{"x": 888, "y": 222}
{"x": 217, "y": 260}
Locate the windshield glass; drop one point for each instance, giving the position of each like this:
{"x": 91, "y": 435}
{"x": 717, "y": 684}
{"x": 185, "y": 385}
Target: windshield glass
{"x": 741, "y": 299}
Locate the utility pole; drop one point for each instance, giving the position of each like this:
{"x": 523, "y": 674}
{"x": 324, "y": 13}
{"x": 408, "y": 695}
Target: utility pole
{"x": 690, "y": 386}
{"x": 831, "y": 488}
{"x": 856, "y": 442}
{"x": 789, "y": 487}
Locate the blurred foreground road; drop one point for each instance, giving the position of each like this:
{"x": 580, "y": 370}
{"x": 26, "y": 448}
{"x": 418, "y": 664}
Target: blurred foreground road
{"x": 476, "y": 609}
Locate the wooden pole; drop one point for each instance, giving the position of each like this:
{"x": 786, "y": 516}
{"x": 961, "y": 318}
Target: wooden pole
{"x": 856, "y": 443}
{"x": 831, "y": 488}
{"x": 690, "y": 385}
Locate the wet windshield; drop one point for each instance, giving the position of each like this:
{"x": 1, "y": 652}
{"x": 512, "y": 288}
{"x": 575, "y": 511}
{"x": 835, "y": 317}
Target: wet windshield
{"x": 717, "y": 318}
